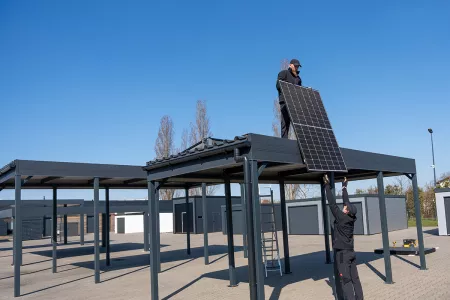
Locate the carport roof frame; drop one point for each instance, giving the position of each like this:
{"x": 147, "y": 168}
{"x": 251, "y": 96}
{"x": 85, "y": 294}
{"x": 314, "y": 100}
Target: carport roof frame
{"x": 209, "y": 160}
{"x": 70, "y": 175}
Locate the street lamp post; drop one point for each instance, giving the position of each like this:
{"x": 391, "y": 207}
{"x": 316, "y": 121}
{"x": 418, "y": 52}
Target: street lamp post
{"x": 432, "y": 152}
{"x": 434, "y": 170}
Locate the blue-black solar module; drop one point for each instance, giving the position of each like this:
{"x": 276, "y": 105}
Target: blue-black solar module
{"x": 312, "y": 127}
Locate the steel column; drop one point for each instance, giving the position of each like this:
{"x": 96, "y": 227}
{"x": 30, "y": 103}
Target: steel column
{"x": 287, "y": 260}
{"x": 384, "y": 228}
{"x": 96, "y": 230}
{"x": 54, "y": 229}
{"x": 146, "y": 230}
{"x": 17, "y": 231}
{"x": 229, "y": 216}
{"x": 257, "y": 227}
{"x": 205, "y": 224}
{"x": 107, "y": 223}
{"x": 65, "y": 227}
{"x": 158, "y": 230}
{"x": 188, "y": 225}
{"x": 423, "y": 263}
{"x": 244, "y": 220}
{"x": 103, "y": 230}
{"x": 153, "y": 240}
{"x": 250, "y": 230}
{"x": 339, "y": 293}
{"x": 82, "y": 229}
{"x": 326, "y": 230}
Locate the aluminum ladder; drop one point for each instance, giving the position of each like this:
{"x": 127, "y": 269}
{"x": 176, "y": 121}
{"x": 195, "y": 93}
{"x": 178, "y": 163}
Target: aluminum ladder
{"x": 269, "y": 237}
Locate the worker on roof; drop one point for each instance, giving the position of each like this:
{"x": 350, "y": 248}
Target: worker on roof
{"x": 290, "y": 75}
{"x": 343, "y": 242}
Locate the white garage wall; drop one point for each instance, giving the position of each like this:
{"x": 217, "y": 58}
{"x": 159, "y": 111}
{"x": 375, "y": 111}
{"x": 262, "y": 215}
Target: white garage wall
{"x": 165, "y": 222}
{"x": 135, "y": 223}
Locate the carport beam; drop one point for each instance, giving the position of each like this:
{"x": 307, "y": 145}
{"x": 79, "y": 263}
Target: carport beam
{"x": 423, "y": 264}
{"x": 287, "y": 260}
{"x": 81, "y": 229}
{"x": 96, "y": 231}
{"x": 384, "y": 229}
{"x": 54, "y": 229}
{"x": 107, "y": 223}
{"x": 146, "y": 227}
{"x": 158, "y": 229}
{"x": 17, "y": 235}
{"x": 244, "y": 220}
{"x": 205, "y": 224}
{"x": 188, "y": 221}
{"x": 153, "y": 239}
{"x": 65, "y": 227}
{"x": 339, "y": 293}
{"x": 257, "y": 228}
{"x": 229, "y": 215}
{"x": 250, "y": 230}
{"x": 326, "y": 229}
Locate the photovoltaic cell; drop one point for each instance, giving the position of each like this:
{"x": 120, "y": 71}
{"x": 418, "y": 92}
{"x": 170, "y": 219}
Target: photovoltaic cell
{"x": 312, "y": 127}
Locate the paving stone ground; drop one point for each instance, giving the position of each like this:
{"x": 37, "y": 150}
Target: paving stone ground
{"x": 186, "y": 277}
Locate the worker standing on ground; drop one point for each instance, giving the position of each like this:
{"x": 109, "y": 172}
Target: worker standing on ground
{"x": 290, "y": 75}
{"x": 343, "y": 242}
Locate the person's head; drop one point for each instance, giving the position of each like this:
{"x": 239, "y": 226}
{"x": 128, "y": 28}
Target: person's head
{"x": 349, "y": 210}
{"x": 294, "y": 64}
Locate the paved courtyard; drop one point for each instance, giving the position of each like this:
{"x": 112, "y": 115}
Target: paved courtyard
{"x": 186, "y": 277}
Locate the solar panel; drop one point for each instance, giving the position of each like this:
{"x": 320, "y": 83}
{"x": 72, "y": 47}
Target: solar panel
{"x": 312, "y": 127}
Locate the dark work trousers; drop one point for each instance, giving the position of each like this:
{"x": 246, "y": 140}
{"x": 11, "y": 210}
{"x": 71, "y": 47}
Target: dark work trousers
{"x": 285, "y": 121}
{"x": 346, "y": 264}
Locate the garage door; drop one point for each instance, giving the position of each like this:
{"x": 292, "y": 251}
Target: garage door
{"x": 447, "y": 212}
{"x": 303, "y": 219}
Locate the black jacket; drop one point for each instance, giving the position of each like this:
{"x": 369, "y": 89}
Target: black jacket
{"x": 288, "y": 76}
{"x": 344, "y": 224}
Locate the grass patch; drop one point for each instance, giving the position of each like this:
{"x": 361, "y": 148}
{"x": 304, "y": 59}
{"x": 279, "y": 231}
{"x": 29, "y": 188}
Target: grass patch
{"x": 425, "y": 223}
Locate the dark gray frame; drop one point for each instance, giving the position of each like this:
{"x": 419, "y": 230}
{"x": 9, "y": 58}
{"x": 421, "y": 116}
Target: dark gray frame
{"x": 254, "y": 159}
{"x": 28, "y": 174}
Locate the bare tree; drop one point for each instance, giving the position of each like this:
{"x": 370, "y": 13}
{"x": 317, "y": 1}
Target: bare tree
{"x": 293, "y": 191}
{"x": 403, "y": 183}
{"x": 199, "y": 131}
{"x": 164, "y": 148}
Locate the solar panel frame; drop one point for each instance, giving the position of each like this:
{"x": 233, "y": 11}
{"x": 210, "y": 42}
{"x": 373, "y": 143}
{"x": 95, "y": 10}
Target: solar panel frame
{"x": 315, "y": 136}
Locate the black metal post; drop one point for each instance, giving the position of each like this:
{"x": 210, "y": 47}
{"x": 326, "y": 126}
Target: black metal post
{"x": 65, "y": 227}
{"x": 229, "y": 214}
{"x": 257, "y": 227}
{"x": 423, "y": 263}
{"x": 188, "y": 225}
{"x": 158, "y": 231}
{"x": 81, "y": 229}
{"x": 103, "y": 230}
{"x": 107, "y": 223}
{"x": 384, "y": 228}
{"x": 96, "y": 230}
{"x": 205, "y": 224}
{"x": 153, "y": 239}
{"x": 326, "y": 230}
{"x": 146, "y": 219}
{"x": 244, "y": 220}
{"x": 17, "y": 231}
{"x": 287, "y": 260}
{"x": 250, "y": 230}
{"x": 337, "y": 278}
{"x": 54, "y": 229}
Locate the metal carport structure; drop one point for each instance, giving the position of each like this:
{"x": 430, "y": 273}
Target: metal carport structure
{"x": 27, "y": 174}
{"x": 252, "y": 159}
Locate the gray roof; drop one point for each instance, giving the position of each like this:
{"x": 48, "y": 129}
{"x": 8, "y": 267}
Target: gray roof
{"x": 207, "y": 145}
{"x": 71, "y": 175}
{"x": 208, "y": 160}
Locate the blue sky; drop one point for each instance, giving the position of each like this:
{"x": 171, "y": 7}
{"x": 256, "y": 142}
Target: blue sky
{"x": 88, "y": 81}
